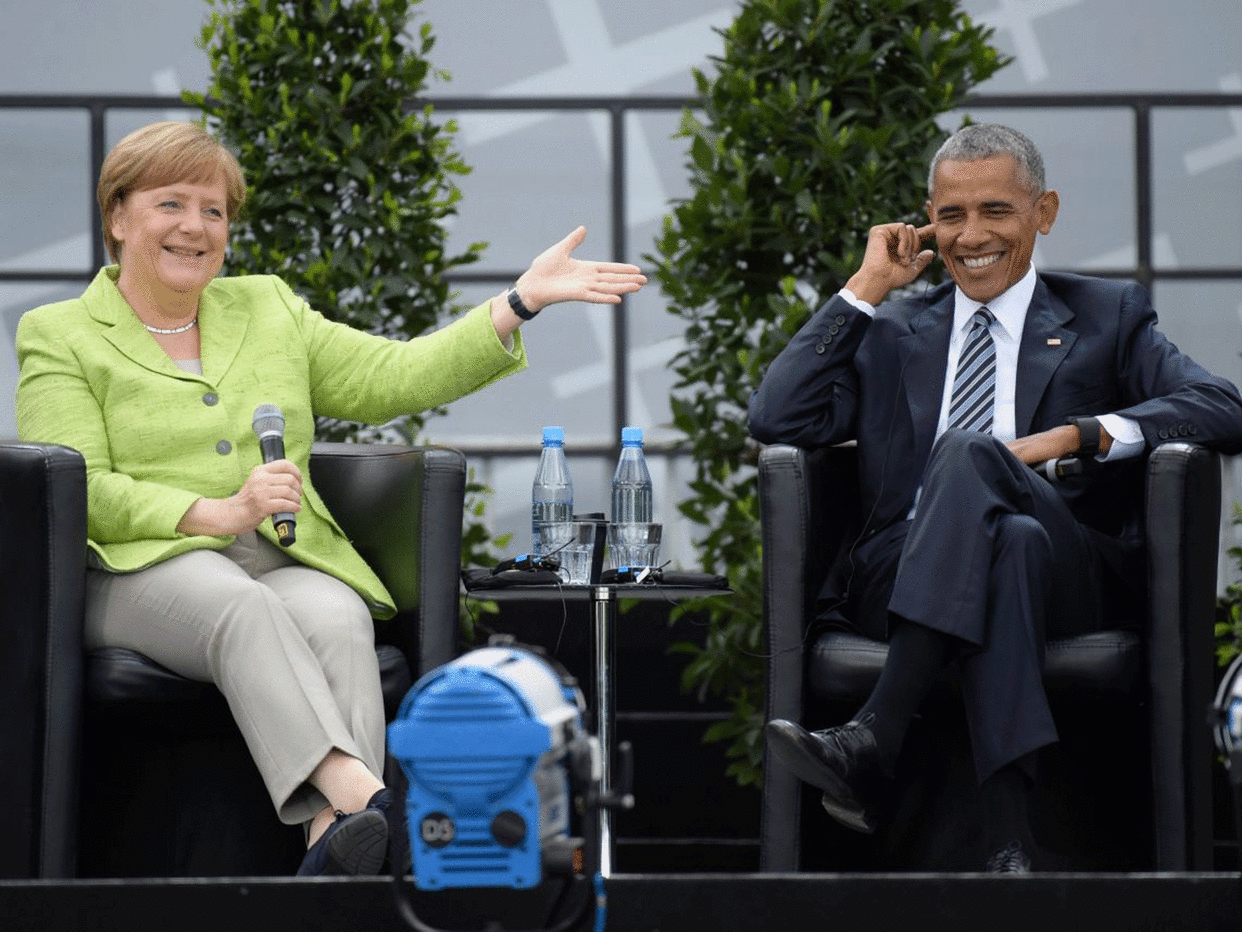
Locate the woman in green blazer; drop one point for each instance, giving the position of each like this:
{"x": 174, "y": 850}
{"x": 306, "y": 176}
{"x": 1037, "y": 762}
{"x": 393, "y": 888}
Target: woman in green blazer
{"x": 154, "y": 375}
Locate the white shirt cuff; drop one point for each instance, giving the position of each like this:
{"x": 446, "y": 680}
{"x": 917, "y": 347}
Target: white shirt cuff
{"x": 858, "y": 302}
{"x": 1127, "y": 438}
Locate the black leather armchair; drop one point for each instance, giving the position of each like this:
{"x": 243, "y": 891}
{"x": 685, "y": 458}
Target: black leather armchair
{"x": 114, "y": 766}
{"x": 1134, "y": 777}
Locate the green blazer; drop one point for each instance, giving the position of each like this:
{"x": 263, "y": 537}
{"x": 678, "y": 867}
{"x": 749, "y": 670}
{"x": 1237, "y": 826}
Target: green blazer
{"x": 156, "y": 438}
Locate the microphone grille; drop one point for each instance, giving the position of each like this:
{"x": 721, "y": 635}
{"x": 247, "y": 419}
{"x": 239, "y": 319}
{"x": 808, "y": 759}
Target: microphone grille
{"x": 268, "y": 420}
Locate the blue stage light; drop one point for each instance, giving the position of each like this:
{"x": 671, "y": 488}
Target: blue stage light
{"x": 487, "y": 743}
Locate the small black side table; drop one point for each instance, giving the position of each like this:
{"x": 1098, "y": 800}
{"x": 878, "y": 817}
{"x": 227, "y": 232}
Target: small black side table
{"x": 602, "y": 599}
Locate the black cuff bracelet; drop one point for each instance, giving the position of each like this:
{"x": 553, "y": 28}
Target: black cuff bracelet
{"x": 515, "y": 302}
{"x": 1089, "y": 436}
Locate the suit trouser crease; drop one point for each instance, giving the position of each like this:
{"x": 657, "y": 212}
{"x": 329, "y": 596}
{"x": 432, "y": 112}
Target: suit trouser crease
{"x": 290, "y": 648}
{"x": 994, "y": 557}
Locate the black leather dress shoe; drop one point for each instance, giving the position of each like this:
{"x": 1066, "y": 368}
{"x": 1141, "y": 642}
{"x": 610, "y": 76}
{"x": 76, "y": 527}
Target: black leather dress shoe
{"x": 1011, "y": 859}
{"x": 844, "y": 762}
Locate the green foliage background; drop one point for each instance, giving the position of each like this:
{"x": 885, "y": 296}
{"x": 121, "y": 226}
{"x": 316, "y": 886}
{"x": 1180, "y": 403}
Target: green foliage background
{"x": 1229, "y": 609}
{"x": 819, "y": 123}
{"x": 349, "y": 189}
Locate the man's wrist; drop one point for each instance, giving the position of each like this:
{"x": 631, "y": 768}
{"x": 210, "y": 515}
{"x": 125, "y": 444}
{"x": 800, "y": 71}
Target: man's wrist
{"x": 866, "y": 289}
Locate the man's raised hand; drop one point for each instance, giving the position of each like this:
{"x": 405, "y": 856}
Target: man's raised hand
{"x": 894, "y": 258}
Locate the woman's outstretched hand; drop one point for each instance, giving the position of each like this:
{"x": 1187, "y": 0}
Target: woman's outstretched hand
{"x": 555, "y": 276}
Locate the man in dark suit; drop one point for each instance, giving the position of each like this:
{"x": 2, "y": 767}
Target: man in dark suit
{"x": 967, "y": 553}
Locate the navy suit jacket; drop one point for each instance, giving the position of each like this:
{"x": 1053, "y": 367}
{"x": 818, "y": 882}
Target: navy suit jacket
{"x": 1089, "y": 346}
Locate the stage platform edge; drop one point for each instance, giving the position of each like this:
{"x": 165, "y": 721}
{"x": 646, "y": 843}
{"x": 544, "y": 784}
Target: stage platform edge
{"x": 646, "y": 903}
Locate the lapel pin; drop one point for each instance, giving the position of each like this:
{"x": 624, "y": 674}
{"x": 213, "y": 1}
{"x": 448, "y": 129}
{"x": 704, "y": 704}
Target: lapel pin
{"x": 1054, "y": 341}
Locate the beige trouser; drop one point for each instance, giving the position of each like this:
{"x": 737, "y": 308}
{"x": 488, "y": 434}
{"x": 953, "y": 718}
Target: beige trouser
{"x": 292, "y": 650}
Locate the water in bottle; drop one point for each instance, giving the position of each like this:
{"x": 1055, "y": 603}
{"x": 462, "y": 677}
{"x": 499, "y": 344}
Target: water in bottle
{"x": 552, "y": 495}
{"x": 631, "y": 503}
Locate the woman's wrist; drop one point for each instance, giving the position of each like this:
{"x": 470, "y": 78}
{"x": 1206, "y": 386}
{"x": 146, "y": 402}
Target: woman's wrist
{"x": 527, "y": 297}
{"x": 211, "y": 517}
{"x": 519, "y": 306}
{"x": 504, "y": 321}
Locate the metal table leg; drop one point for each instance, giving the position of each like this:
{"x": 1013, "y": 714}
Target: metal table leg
{"x": 604, "y": 610}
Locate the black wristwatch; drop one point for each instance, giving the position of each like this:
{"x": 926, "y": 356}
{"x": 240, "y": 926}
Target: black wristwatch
{"x": 515, "y": 302}
{"x": 1089, "y": 436}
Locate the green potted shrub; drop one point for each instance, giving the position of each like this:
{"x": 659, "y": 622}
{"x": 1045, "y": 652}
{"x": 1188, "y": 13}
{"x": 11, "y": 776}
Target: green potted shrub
{"x": 818, "y": 122}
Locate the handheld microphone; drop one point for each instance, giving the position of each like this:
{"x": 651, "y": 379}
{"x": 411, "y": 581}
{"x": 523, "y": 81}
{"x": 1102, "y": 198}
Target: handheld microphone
{"x": 269, "y": 427}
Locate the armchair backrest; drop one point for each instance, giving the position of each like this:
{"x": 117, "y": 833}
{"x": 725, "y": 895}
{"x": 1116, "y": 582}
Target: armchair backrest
{"x": 402, "y": 509}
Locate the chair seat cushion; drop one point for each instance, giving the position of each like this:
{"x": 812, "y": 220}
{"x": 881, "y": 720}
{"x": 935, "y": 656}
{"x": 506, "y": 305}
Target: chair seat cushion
{"x": 116, "y": 675}
{"x": 845, "y": 666}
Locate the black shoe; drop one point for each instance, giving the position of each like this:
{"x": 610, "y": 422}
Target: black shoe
{"x": 354, "y": 844}
{"x": 844, "y": 762}
{"x": 393, "y": 810}
{"x": 1011, "y": 859}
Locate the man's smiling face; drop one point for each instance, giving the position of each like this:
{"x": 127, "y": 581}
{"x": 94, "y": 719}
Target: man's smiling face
{"x": 986, "y": 221}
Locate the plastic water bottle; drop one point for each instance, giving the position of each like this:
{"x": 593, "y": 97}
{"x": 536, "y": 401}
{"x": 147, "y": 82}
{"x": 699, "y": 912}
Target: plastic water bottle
{"x": 552, "y": 495}
{"x": 631, "y": 483}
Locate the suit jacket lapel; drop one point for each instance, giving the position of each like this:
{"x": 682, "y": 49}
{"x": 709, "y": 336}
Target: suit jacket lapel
{"x": 121, "y": 327}
{"x": 223, "y": 331}
{"x": 923, "y": 355}
{"x": 1045, "y": 343}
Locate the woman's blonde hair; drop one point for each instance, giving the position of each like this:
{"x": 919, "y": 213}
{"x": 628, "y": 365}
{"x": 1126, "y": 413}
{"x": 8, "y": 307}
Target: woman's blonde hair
{"x": 162, "y": 154}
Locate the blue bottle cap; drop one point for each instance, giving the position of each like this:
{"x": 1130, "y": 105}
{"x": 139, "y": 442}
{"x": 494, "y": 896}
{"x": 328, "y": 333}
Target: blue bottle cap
{"x": 554, "y": 436}
{"x": 631, "y": 436}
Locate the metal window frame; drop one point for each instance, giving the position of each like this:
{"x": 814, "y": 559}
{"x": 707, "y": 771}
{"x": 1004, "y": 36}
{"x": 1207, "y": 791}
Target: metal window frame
{"x": 1141, "y": 105}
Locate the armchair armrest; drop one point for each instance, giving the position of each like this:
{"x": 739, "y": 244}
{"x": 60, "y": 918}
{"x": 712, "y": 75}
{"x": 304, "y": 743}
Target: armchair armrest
{"x": 806, "y": 509}
{"x": 803, "y": 526}
{"x": 402, "y": 509}
{"x": 1183, "y": 532}
{"x": 43, "y": 552}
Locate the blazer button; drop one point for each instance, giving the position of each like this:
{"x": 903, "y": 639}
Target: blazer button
{"x": 1162, "y": 433}
{"x": 1184, "y": 430}
{"x": 819, "y": 348}
{"x": 224, "y": 448}
{"x": 834, "y": 329}
{"x": 210, "y": 399}
{"x": 840, "y": 319}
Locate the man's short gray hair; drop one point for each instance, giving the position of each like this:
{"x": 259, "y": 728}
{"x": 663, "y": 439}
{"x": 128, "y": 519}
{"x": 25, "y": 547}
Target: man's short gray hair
{"x": 985, "y": 140}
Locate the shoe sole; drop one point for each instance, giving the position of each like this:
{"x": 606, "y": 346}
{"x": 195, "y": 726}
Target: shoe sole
{"x": 359, "y": 847}
{"x": 839, "y": 800}
{"x": 849, "y": 812}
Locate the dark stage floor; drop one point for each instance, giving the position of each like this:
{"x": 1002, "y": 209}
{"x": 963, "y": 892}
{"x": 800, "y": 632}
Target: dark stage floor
{"x": 648, "y": 903}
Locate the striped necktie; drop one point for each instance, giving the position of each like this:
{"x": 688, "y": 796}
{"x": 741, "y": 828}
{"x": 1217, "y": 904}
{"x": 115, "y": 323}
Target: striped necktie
{"x": 974, "y": 385}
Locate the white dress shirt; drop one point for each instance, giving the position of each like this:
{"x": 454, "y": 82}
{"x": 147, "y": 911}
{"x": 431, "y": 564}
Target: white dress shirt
{"x": 1009, "y": 310}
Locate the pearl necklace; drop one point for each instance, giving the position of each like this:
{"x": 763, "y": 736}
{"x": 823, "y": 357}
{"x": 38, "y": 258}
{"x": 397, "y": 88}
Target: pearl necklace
{"x": 173, "y": 330}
